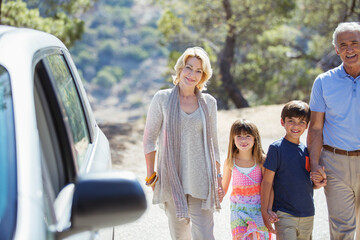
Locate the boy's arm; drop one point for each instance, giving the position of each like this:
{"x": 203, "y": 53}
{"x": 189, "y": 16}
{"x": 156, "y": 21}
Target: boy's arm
{"x": 266, "y": 188}
{"x": 226, "y": 178}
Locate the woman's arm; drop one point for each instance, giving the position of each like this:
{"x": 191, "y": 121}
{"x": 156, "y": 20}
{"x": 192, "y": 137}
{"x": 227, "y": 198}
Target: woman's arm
{"x": 154, "y": 120}
{"x": 150, "y": 165}
{"x": 219, "y": 182}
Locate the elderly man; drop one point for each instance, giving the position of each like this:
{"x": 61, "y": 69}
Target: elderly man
{"x": 334, "y": 133}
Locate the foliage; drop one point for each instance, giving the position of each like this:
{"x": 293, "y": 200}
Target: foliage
{"x": 115, "y": 37}
{"x": 281, "y": 45}
{"x": 108, "y": 76}
{"x": 65, "y": 27}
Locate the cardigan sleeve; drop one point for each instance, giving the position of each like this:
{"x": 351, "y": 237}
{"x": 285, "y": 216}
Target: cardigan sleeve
{"x": 213, "y": 121}
{"x": 154, "y": 120}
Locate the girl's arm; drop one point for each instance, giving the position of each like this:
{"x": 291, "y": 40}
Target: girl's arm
{"x": 226, "y": 178}
{"x": 273, "y": 215}
{"x": 266, "y": 188}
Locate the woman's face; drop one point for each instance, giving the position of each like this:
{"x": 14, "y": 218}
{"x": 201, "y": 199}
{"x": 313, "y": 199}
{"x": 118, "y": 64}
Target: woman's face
{"x": 192, "y": 72}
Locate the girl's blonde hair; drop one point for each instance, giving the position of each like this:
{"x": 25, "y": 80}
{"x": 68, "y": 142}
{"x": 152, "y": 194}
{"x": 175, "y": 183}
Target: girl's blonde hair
{"x": 200, "y": 54}
{"x": 243, "y": 126}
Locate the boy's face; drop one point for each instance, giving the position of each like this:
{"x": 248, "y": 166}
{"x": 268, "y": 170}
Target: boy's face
{"x": 294, "y": 128}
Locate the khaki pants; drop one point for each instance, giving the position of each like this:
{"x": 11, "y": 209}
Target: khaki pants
{"x": 290, "y": 227}
{"x": 342, "y": 194}
{"x": 201, "y": 221}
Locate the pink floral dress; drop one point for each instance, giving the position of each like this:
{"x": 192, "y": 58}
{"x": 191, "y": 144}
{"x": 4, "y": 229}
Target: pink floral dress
{"x": 245, "y": 206}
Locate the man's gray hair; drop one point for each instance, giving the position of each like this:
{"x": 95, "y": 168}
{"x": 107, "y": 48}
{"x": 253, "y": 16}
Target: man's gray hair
{"x": 345, "y": 27}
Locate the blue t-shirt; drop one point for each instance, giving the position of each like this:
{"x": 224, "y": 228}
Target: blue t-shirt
{"x": 293, "y": 189}
{"x": 337, "y": 94}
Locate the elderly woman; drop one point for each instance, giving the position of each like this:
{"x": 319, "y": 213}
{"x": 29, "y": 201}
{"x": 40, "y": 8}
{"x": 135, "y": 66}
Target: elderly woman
{"x": 181, "y": 131}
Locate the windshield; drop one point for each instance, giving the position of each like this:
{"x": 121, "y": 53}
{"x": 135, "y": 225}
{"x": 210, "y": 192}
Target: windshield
{"x": 7, "y": 158}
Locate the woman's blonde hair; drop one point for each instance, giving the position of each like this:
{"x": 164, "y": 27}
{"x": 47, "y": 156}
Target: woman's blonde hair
{"x": 201, "y": 54}
{"x": 243, "y": 126}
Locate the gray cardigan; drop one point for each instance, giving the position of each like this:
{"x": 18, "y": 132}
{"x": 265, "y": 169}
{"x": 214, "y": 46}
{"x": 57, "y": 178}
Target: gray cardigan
{"x": 154, "y": 138}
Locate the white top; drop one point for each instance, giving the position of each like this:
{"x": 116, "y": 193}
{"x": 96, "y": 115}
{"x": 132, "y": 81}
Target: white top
{"x": 193, "y": 174}
{"x": 243, "y": 170}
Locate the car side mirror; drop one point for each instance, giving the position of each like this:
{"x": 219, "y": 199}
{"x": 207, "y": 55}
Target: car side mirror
{"x": 102, "y": 200}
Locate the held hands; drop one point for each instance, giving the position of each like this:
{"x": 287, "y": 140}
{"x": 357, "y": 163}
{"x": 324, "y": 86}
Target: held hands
{"x": 269, "y": 217}
{"x": 319, "y": 177}
{"x": 272, "y": 216}
{"x": 221, "y": 192}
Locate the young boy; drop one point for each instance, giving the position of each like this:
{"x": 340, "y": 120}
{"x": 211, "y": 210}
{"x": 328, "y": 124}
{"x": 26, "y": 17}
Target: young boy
{"x": 287, "y": 170}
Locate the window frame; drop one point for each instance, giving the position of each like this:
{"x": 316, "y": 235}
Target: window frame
{"x": 7, "y": 228}
{"x": 56, "y": 107}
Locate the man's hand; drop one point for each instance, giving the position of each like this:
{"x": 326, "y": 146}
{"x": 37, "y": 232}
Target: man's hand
{"x": 318, "y": 176}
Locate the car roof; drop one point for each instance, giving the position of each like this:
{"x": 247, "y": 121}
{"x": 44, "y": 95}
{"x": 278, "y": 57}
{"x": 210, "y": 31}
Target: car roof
{"x": 24, "y": 42}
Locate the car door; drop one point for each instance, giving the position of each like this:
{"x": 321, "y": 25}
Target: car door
{"x": 65, "y": 136}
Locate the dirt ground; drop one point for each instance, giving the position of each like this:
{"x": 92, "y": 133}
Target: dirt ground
{"x": 127, "y": 153}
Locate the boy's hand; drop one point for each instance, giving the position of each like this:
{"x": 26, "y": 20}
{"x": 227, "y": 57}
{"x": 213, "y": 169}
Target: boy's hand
{"x": 316, "y": 177}
{"x": 267, "y": 221}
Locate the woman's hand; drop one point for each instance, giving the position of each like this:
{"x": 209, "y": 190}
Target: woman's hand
{"x": 151, "y": 180}
{"x": 221, "y": 192}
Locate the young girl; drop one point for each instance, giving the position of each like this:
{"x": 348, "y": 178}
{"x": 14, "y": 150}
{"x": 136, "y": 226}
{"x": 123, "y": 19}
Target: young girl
{"x": 244, "y": 163}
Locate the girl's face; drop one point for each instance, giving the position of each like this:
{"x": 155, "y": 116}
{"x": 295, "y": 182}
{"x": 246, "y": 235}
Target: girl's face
{"x": 244, "y": 141}
{"x": 192, "y": 72}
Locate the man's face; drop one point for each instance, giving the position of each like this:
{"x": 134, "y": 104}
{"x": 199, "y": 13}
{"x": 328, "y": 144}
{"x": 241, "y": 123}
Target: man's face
{"x": 348, "y": 48}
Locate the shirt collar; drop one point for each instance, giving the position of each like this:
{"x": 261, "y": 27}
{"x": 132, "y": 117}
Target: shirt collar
{"x": 342, "y": 73}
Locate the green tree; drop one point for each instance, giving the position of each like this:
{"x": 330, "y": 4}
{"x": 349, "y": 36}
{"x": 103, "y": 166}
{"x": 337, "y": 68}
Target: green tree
{"x": 265, "y": 51}
{"x": 60, "y": 19}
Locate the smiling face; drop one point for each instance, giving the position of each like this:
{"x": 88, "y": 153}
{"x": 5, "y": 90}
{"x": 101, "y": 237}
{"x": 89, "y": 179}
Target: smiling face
{"x": 244, "y": 142}
{"x": 192, "y": 72}
{"x": 294, "y": 128}
{"x": 348, "y": 48}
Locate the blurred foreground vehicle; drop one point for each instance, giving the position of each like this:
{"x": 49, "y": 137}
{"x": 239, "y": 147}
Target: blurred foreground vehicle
{"x": 55, "y": 162}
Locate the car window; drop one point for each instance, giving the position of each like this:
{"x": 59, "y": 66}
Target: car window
{"x": 7, "y": 158}
{"x": 67, "y": 90}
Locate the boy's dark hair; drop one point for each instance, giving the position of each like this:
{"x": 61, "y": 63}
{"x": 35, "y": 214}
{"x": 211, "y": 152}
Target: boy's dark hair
{"x": 296, "y": 108}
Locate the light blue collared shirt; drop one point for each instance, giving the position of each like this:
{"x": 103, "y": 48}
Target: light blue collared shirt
{"x": 338, "y": 95}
